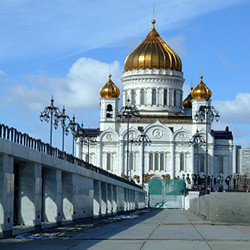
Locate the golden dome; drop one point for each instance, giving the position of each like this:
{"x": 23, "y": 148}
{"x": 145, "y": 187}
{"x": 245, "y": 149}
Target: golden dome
{"x": 187, "y": 103}
{"x": 109, "y": 90}
{"x": 201, "y": 91}
{"x": 153, "y": 53}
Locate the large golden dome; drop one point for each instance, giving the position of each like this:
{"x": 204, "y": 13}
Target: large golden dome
{"x": 201, "y": 91}
{"x": 109, "y": 90}
{"x": 153, "y": 53}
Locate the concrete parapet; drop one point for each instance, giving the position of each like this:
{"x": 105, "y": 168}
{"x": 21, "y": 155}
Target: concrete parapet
{"x": 40, "y": 190}
{"x": 223, "y": 207}
{"x": 230, "y": 207}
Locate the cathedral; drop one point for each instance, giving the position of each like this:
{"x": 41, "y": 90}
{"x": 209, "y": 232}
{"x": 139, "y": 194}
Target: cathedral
{"x": 157, "y": 133}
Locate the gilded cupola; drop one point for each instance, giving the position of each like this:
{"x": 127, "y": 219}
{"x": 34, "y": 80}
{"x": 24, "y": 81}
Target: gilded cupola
{"x": 187, "y": 103}
{"x": 109, "y": 90}
{"x": 153, "y": 53}
{"x": 201, "y": 91}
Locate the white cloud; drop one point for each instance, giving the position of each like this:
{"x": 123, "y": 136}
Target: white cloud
{"x": 79, "y": 89}
{"x": 237, "y": 110}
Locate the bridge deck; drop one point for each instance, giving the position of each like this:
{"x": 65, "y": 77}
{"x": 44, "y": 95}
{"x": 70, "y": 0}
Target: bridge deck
{"x": 158, "y": 229}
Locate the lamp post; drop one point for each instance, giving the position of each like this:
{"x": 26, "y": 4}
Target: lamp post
{"x": 237, "y": 180}
{"x": 219, "y": 179}
{"x": 88, "y": 141}
{"x": 128, "y": 113}
{"x": 74, "y": 127}
{"x": 50, "y": 113}
{"x": 142, "y": 140}
{"x": 62, "y": 117}
{"x": 211, "y": 182}
{"x": 197, "y": 139}
{"x": 228, "y": 182}
{"x": 207, "y": 113}
{"x": 245, "y": 182}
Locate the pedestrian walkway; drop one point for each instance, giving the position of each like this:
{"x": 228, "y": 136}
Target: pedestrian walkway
{"x": 158, "y": 229}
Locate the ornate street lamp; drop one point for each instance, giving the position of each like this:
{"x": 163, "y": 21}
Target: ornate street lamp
{"x": 207, "y": 114}
{"x": 62, "y": 117}
{"x": 219, "y": 179}
{"x": 143, "y": 140}
{"x": 197, "y": 139}
{"x": 88, "y": 141}
{"x": 74, "y": 128}
{"x": 128, "y": 113}
{"x": 50, "y": 113}
{"x": 245, "y": 182}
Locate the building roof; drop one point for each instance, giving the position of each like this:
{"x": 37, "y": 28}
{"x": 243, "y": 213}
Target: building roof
{"x": 222, "y": 134}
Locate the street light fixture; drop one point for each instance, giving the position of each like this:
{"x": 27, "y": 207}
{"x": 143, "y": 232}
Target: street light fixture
{"x": 207, "y": 114}
{"x": 74, "y": 128}
{"x": 88, "y": 141}
{"x": 219, "y": 179}
{"x": 245, "y": 182}
{"x": 50, "y": 113}
{"x": 128, "y": 113}
{"x": 62, "y": 117}
{"x": 197, "y": 139}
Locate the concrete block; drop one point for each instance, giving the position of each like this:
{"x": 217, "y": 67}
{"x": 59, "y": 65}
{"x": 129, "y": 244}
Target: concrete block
{"x": 230, "y": 208}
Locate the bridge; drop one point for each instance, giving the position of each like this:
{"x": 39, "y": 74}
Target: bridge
{"x": 41, "y": 186}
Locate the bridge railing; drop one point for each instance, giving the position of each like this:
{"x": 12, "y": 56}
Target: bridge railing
{"x": 13, "y": 135}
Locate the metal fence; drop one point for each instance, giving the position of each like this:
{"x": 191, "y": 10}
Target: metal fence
{"x": 166, "y": 193}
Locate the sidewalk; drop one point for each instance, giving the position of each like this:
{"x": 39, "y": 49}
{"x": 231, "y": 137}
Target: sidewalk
{"x": 159, "y": 229}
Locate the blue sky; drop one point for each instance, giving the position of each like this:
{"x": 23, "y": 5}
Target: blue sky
{"x": 64, "y": 48}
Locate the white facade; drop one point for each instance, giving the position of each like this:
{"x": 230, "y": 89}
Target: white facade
{"x": 157, "y": 94}
{"x": 169, "y": 127}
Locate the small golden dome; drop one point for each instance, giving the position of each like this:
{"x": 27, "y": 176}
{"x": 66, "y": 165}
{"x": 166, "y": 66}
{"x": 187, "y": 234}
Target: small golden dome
{"x": 201, "y": 91}
{"x": 187, "y": 103}
{"x": 109, "y": 90}
{"x": 153, "y": 53}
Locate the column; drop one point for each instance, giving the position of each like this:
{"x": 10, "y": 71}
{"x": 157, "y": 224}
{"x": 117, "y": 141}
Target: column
{"x": 6, "y": 195}
{"x": 103, "y": 199}
{"x": 97, "y": 199}
{"x": 161, "y": 96}
{"x": 120, "y": 166}
{"x": 30, "y": 194}
{"x": 109, "y": 200}
{"x": 172, "y": 155}
{"x": 67, "y": 196}
{"x": 157, "y": 96}
{"x": 114, "y": 199}
{"x": 149, "y": 97}
{"x": 51, "y": 195}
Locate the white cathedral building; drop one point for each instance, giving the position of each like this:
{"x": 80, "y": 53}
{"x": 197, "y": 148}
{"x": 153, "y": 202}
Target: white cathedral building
{"x": 152, "y": 86}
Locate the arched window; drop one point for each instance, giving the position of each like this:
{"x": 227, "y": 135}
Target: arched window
{"x": 153, "y": 96}
{"x": 87, "y": 158}
{"x": 162, "y": 162}
{"x": 131, "y": 161}
{"x": 182, "y": 162}
{"x": 150, "y": 166}
{"x": 165, "y": 97}
{"x": 202, "y": 163}
{"x": 157, "y": 161}
{"x": 174, "y": 96}
{"x": 108, "y": 167}
{"x": 132, "y": 97}
{"x": 142, "y": 97}
{"x": 109, "y": 111}
{"x": 220, "y": 164}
